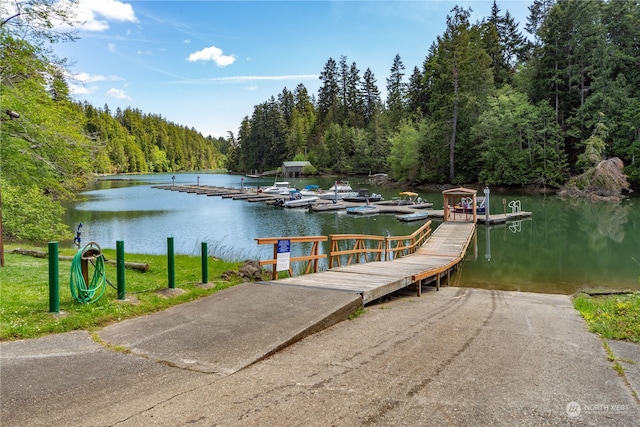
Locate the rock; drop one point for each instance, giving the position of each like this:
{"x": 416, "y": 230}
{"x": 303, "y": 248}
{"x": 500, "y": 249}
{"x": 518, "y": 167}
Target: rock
{"x": 251, "y": 270}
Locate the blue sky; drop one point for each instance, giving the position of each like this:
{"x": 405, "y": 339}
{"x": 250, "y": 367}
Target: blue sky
{"x": 206, "y": 64}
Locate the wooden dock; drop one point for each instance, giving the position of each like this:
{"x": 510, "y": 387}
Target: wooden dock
{"x": 436, "y": 258}
{"x": 493, "y": 218}
{"x": 386, "y": 207}
{"x": 409, "y": 261}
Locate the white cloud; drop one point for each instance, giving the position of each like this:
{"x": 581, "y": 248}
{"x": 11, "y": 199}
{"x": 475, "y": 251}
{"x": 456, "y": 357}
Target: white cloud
{"x": 187, "y": 41}
{"x": 81, "y": 90}
{"x": 245, "y": 79}
{"x": 89, "y": 78}
{"x": 212, "y": 54}
{"x": 265, "y": 78}
{"x": 118, "y": 94}
{"x": 94, "y": 15}
{"x": 111, "y": 47}
{"x": 252, "y": 88}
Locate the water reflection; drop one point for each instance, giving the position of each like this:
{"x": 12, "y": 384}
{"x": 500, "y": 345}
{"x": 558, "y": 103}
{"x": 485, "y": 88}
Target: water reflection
{"x": 564, "y": 246}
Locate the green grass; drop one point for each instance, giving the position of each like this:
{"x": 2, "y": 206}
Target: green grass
{"x": 24, "y": 292}
{"x": 614, "y": 317}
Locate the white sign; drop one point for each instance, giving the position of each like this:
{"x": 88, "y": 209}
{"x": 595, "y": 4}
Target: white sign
{"x": 284, "y": 255}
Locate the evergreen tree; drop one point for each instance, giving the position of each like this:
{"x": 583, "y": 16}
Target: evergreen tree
{"x": 328, "y": 93}
{"x": 417, "y": 95}
{"x": 460, "y": 79}
{"x": 372, "y": 103}
{"x": 396, "y": 93}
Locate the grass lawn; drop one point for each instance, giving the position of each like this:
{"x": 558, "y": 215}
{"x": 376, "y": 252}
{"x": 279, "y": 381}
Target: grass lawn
{"x": 614, "y": 316}
{"x": 24, "y": 291}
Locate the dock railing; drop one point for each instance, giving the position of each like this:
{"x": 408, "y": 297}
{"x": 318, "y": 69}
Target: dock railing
{"x": 312, "y": 259}
{"x": 399, "y": 246}
{"x": 355, "y": 247}
{"x": 347, "y": 249}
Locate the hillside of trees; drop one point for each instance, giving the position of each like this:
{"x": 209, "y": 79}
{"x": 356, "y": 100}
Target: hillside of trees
{"x": 487, "y": 105}
{"x": 490, "y": 104}
{"x": 51, "y": 146}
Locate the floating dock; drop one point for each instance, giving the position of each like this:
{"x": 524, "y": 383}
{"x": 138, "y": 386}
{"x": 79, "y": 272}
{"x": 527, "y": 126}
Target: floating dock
{"x": 436, "y": 258}
{"x": 384, "y": 207}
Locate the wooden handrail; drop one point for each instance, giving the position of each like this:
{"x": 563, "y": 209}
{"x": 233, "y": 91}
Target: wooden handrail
{"x": 363, "y": 248}
{"x": 312, "y": 259}
{"x": 358, "y": 251}
{"x": 399, "y": 246}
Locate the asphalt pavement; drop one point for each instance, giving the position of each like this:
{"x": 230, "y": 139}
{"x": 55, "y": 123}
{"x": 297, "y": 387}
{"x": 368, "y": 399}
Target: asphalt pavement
{"x": 256, "y": 355}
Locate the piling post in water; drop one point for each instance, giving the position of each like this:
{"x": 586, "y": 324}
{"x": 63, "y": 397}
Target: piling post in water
{"x": 171, "y": 269}
{"x": 487, "y": 192}
{"x": 54, "y": 286}
{"x": 120, "y": 269}
{"x": 205, "y": 263}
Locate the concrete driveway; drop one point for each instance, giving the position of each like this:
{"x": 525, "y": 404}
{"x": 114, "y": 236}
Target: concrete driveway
{"x": 455, "y": 357}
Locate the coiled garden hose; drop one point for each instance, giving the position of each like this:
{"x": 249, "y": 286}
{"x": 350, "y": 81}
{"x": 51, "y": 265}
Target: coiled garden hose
{"x": 82, "y": 292}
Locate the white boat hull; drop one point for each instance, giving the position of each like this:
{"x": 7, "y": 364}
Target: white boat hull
{"x": 299, "y": 203}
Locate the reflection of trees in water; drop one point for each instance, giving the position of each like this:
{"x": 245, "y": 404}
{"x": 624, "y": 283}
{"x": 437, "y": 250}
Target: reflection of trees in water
{"x": 601, "y": 221}
{"x": 567, "y": 245}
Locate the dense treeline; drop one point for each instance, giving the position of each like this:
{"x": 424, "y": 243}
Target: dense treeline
{"x": 50, "y": 146}
{"x": 130, "y": 141}
{"x": 487, "y": 105}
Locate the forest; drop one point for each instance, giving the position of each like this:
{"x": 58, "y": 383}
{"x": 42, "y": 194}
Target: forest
{"x": 488, "y": 105}
{"x": 491, "y": 103}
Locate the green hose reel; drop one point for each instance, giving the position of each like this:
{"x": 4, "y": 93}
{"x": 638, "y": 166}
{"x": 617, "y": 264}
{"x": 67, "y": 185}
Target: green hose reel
{"x": 82, "y": 290}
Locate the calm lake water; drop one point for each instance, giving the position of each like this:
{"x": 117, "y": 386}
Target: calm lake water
{"x": 566, "y": 245}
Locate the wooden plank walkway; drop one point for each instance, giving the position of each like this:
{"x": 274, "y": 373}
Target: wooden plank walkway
{"x": 440, "y": 255}
{"x": 493, "y": 218}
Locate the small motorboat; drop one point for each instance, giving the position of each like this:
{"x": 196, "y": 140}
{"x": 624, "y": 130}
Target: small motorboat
{"x": 338, "y": 191}
{"x": 311, "y": 190}
{"x": 363, "y": 196}
{"x": 297, "y": 200}
{"x": 466, "y": 205}
{"x": 407, "y": 198}
{"x": 278, "y": 187}
{"x": 415, "y": 216}
{"x": 363, "y": 210}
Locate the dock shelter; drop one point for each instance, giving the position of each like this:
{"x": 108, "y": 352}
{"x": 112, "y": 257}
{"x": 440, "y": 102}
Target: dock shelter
{"x": 293, "y": 169}
{"x": 454, "y": 195}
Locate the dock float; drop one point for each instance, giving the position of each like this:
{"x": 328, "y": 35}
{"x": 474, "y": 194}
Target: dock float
{"x": 436, "y": 258}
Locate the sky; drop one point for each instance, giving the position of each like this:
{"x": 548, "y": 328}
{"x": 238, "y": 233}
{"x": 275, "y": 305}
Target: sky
{"x": 206, "y": 64}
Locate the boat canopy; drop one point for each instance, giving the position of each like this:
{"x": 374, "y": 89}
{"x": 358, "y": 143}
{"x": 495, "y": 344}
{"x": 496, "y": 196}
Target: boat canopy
{"x": 409, "y": 194}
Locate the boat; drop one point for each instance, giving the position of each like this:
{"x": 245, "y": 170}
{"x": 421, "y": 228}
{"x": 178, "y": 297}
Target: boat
{"x": 278, "y": 187}
{"x": 363, "y": 196}
{"x": 406, "y": 198}
{"x": 466, "y": 205}
{"x": 338, "y": 191}
{"x": 415, "y": 216}
{"x": 310, "y": 190}
{"x": 363, "y": 210}
{"x": 297, "y": 200}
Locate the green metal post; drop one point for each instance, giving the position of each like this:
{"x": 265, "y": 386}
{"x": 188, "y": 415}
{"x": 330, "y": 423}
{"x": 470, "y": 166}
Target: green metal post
{"x": 120, "y": 270}
{"x": 54, "y": 286}
{"x": 171, "y": 265}
{"x": 205, "y": 263}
